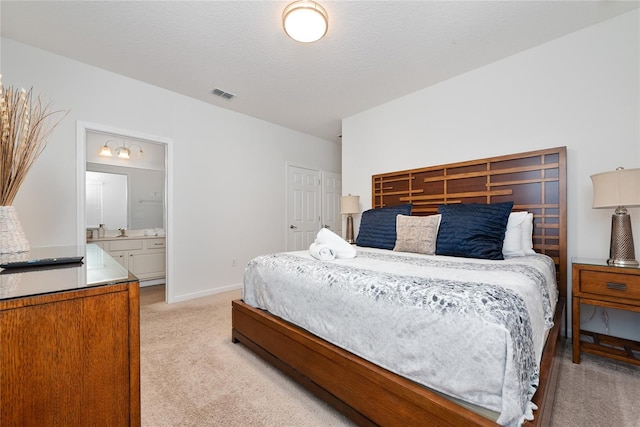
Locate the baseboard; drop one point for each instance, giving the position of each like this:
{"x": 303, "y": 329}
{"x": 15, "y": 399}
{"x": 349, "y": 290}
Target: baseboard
{"x": 205, "y": 293}
{"x": 152, "y": 282}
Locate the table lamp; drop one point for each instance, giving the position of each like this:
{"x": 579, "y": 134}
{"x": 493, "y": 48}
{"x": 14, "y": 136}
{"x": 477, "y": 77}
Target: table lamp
{"x": 350, "y": 205}
{"x": 618, "y": 189}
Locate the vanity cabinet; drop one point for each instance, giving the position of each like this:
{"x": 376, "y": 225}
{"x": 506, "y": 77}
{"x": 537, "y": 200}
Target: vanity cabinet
{"x": 144, "y": 257}
{"x": 149, "y": 262}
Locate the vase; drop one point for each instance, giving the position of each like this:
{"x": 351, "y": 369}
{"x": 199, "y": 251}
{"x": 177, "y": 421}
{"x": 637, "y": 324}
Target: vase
{"x": 12, "y": 238}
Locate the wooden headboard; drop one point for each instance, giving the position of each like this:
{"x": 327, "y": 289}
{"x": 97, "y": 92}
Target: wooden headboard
{"x": 535, "y": 181}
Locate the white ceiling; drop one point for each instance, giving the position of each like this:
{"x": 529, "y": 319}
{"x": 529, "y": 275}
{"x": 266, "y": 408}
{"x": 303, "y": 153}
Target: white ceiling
{"x": 374, "y": 51}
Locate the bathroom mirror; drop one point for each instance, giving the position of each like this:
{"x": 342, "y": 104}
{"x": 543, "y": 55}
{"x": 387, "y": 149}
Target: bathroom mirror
{"x": 106, "y": 201}
{"x": 124, "y": 197}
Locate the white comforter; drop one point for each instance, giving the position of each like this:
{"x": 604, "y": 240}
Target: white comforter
{"x": 472, "y": 329}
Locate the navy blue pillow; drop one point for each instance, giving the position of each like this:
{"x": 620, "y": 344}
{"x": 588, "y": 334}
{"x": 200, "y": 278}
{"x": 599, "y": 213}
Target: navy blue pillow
{"x": 473, "y": 230}
{"x": 378, "y": 226}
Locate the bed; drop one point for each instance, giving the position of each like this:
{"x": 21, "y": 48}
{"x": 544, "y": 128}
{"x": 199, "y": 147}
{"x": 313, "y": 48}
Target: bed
{"x": 369, "y": 393}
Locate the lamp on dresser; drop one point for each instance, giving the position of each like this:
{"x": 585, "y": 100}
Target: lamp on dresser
{"x": 618, "y": 189}
{"x": 350, "y": 205}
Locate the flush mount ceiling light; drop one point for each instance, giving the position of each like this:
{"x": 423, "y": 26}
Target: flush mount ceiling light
{"x": 305, "y": 21}
{"x": 122, "y": 152}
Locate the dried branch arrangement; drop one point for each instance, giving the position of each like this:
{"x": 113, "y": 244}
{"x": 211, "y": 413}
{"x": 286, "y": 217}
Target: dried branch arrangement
{"x": 25, "y": 126}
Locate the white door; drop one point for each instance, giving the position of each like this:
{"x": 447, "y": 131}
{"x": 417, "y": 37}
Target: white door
{"x": 331, "y": 195}
{"x": 303, "y": 207}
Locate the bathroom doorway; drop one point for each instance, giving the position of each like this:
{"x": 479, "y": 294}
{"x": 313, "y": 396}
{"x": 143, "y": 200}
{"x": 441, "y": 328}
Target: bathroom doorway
{"x": 147, "y": 199}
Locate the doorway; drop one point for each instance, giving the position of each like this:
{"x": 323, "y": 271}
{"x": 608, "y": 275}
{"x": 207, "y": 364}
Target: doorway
{"x": 85, "y": 135}
{"x": 313, "y": 202}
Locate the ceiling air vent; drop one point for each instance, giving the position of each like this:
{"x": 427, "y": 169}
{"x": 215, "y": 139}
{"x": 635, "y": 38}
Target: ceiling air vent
{"x": 222, "y": 94}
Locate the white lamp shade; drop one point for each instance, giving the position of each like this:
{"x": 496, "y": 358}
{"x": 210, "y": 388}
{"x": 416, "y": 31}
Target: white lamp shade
{"x": 350, "y": 204}
{"x": 106, "y": 151}
{"x": 616, "y": 188}
{"x": 124, "y": 153}
{"x": 305, "y": 21}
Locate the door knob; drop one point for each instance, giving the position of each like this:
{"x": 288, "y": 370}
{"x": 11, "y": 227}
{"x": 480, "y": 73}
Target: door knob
{"x": 292, "y": 226}
{"x": 326, "y": 226}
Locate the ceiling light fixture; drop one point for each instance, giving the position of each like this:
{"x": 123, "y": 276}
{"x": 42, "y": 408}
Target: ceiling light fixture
{"x": 305, "y": 21}
{"x": 122, "y": 152}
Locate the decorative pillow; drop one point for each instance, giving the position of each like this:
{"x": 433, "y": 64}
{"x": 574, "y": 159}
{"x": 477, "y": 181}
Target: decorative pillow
{"x": 513, "y": 236}
{"x": 378, "y": 226}
{"x": 473, "y": 230}
{"x": 417, "y": 234}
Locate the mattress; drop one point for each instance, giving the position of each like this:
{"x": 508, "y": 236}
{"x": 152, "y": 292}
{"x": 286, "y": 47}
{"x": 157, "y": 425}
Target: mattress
{"x": 470, "y": 329}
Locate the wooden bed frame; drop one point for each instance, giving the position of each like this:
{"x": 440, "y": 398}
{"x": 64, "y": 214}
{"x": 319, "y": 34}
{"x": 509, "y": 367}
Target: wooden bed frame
{"x": 370, "y": 395}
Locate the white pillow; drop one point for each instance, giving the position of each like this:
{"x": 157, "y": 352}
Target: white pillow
{"x": 527, "y": 235}
{"x": 517, "y": 237}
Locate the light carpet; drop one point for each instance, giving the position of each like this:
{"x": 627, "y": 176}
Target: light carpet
{"x": 193, "y": 375}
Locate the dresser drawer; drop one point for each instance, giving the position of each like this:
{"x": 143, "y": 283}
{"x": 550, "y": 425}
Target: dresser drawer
{"x": 612, "y": 284}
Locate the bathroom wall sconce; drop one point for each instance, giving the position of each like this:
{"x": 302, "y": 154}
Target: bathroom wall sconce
{"x": 123, "y": 152}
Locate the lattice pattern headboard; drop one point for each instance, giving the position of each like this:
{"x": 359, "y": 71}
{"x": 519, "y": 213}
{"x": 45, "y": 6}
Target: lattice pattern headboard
{"x": 535, "y": 181}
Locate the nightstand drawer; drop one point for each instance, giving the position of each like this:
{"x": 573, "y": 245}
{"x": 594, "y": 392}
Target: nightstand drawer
{"x": 613, "y": 284}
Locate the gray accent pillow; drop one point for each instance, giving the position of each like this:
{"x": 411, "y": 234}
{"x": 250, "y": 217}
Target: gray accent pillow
{"x": 417, "y": 234}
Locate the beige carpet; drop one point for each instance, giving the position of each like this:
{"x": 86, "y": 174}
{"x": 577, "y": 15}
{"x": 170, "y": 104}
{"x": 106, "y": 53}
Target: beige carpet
{"x": 192, "y": 375}
{"x": 597, "y": 392}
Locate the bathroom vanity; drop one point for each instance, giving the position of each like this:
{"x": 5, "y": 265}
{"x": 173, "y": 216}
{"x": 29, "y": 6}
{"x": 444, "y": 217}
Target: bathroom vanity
{"x": 144, "y": 256}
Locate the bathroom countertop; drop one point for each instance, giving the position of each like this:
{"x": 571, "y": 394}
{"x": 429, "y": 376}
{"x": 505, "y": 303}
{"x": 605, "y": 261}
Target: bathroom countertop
{"x": 127, "y": 237}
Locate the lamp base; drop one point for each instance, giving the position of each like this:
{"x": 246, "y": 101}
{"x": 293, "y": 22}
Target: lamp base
{"x": 349, "y": 238}
{"x": 621, "y": 250}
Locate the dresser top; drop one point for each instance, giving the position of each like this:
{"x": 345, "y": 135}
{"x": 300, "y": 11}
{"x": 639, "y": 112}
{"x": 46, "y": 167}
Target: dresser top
{"x": 97, "y": 269}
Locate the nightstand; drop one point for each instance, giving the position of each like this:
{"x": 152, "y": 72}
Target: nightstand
{"x": 599, "y": 284}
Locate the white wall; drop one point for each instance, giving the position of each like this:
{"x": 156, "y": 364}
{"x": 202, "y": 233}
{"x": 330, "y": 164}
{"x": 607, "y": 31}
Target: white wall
{"x": 226, "y": 170}
{"x": 581, "y": 91}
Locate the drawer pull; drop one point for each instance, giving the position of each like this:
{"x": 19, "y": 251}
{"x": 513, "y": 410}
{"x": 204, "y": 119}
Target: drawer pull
{"x": 158, "y": 244}
{"x": 616, "y": 286}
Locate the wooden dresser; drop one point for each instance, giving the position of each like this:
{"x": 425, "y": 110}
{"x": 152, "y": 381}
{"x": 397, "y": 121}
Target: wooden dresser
{"x": 70, "y": 344}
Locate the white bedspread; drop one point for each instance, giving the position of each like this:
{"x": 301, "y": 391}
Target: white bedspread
{"x": 472, "y": 329}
